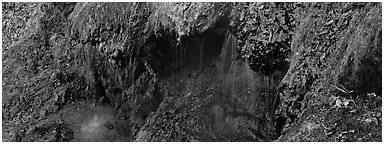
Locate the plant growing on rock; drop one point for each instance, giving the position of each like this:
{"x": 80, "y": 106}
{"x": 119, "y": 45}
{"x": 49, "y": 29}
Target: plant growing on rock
{"x": 264, "y": 33}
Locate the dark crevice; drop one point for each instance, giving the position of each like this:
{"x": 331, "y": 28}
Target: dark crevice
{"x": 100, "y": 90}
{"x": 167, "y": 57}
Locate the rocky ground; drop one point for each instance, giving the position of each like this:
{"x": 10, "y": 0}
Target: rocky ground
{"x": 191, "y": 72}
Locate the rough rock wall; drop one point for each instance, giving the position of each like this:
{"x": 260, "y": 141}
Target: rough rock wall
{"x": 134, "y": 57}
{"x": 104, "y": 52}
{"x": 15, "y": 19}
{"x": 29, "y": 92}
{"x": 335, "y": 68}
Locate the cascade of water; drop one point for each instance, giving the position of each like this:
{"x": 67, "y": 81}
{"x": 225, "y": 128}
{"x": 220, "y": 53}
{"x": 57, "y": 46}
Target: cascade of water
{"x": 228, "y": 54}
{"x": 180, "y": 58}
{"x": 183, "y": 46}
{"x": 224, "y": 55}
{"x": 191, "y": 48}
{"x": 230, "y": 37}
{"x": 173, "y": 58}
{"x": 184, "y": 54}
{"x": 201, "y": 53}
{"x": 186, "y": 45}
{"x": 194, "y": 48}
{"x": 233, "y": 54}
{"x": 190, "y": 54}
{"x": 234, "y": 46}
{"x": 177, "y": 57}
{"x": 228, "y": 67}
{"x": 234, "y": 65}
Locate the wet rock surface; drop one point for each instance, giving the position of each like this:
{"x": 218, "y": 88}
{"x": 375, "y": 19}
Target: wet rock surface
{"x": 191, "y": 72}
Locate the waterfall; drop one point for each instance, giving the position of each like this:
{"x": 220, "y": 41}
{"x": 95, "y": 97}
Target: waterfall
{"x": 227, "y": 61}
{"x": 228, "y": 53}
{"x": 201, "y": 53}
{"x": 177, "y": 57}
{"x": 224, "y": 55}
{"x": 184, "y": 53}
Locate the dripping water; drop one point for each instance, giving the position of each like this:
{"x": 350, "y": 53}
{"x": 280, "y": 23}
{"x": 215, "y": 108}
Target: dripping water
{"x": 228, "y": 56}
{"x": 177, "y": 57}
{"x": 201, "y": 53}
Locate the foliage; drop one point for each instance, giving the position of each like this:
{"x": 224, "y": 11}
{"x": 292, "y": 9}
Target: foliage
{"x": 264, "y": 32}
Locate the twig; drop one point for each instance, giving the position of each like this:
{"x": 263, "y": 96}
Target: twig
{"x": 328, "y": 130}
{"x": 324, "y": 126}
{"x": 354, "y": 102}
{"x": 342, "y": 90}
{"x": 346, "y": 89}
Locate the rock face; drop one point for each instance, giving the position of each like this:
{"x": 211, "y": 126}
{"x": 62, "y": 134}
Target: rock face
{"x": 335, "y": 68}
{"x": 193, "y": 72}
